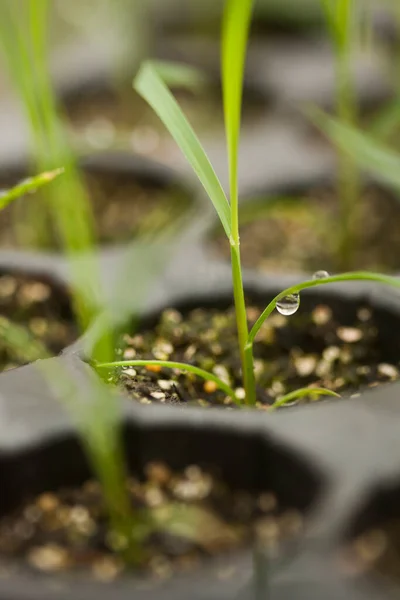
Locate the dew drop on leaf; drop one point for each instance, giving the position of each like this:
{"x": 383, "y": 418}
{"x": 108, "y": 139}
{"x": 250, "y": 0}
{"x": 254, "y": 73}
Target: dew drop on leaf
{"x": 320, "y": 275}
{"x": 288, "y": 305}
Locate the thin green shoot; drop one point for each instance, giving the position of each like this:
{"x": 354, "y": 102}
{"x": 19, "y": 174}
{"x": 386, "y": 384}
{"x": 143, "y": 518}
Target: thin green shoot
{"x": 235, "y": 33}
{"x": 386, "y": 123}
{"x": 28, "y": 186}
{"x": 24, "y": 40}
{"x": 20, "y": 342}
{"x": 97, "y": 418}
{"x": 313, "y": 392}
{"x": 15, "y": 337}
{"x": 369, "y": 153}
{"x": 342, "y": 24}
{"x": 294, "y": 289}
{"x": 150, "y": 85}
{"x": 174, "y": 365}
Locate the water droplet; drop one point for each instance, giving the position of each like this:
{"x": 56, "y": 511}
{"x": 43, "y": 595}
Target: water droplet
{"x": 320, "y": 275}
{"x": 288, "y": 305}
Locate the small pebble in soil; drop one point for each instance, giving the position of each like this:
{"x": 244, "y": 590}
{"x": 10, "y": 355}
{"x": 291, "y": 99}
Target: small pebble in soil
{"x": 349, "y": 334}
{"x": 210, "y": 387}
{"x": 388, "y": 371}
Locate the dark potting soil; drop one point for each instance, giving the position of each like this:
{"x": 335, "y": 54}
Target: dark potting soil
{"x": 41, "y": 311}
{"x": 180, "y": 519}
{"x": 108, "y": 117}
{"x": 376, "y": 550}
{"x": 300, "y": 233}
{"x": 123, "y": 208}
{"x": 318, "y": 347}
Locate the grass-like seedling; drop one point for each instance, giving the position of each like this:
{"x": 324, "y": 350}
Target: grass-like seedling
{"x": 385, "y": 125}
{"x": 28, "y": 186}
{"x": 24, "y": 33}
{"x": 150, "y": 85}
{"x": 370, "y": 154}
{"x": 13, "y": 335}
{"x": 97, "y": 417}
{"x": 342, "y": 23}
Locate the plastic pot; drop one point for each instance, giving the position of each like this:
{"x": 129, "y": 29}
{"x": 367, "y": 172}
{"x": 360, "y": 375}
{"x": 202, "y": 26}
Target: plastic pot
{"x": 330, "y": 460}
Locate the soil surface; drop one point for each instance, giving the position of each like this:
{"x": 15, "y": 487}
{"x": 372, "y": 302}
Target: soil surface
{"x": 314, "y": 347}
{"x": 106, "y": 117}
{"x": 377, "y": 551}
{"x": 123, "y": 208}
{"x": 180, "y": 519}
{"x": 35, "y": 321}
{"x": 300, "y": 233}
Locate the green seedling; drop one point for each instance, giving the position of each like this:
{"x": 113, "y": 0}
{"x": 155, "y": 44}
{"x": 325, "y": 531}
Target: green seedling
{"x": 24, "y": 33}
{"x": 28, "y": 186}
{"x": 14, "y": 337}
{"x": 95, "y": 411}
{"x": 150, "y": 85}
{"x": 342, "y": 23}
{"x": 385, "y": 125}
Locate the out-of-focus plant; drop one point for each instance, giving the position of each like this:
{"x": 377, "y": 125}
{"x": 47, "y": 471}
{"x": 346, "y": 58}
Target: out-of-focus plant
{"x": 343, "y": 27}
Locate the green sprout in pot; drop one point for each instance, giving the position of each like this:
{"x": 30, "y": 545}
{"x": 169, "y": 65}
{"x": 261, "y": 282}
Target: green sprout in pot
{"x": 385, "y": 124}
{"x": 342, "y": 22}
{"x": 15, "y": 338}
{"x": 150, "y": 85}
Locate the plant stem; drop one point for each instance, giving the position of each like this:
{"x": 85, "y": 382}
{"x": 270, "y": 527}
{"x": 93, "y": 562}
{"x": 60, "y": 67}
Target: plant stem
{"x": 309, "y": 391}
{"x": 241, "y": 321}
{"x": 295, "y": 289}
{"x": 235, "y": 32}
{"x": 173, "y": 365}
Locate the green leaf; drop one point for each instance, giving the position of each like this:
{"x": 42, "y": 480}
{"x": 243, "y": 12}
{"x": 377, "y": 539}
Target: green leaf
{"x": 301, "y": 393}
{"x": 149, "y": 84}
{"x": 28, "y": 186}
{"x": 338, "y": 15}
{"x": 387, "y": 121}
{"x": 20, "y": 342}
{"x": 173, "y": 365}
{"x": 235, "y": 32}
{"x": 368, "y": 153}
{"x": 179, "y": 75}
{"x": 295, "y": 289}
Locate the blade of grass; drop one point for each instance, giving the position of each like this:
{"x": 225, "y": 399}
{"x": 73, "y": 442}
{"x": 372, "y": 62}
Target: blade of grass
{"x": 95, "y": 412}
{"x": 149, "y": 84}
{"x": 343, "y": 26}
{"x": 387, "y": 121}
{"x": 370, "y": 154}
{"x": 173, "y": 365}
{"x": 28, "y": 186}
{"x": 235, "y": 33}
{"x": 176, "y": 74}
{"x": 19, "y": 341}
{"x": 301, "y": 393}
{"x": 295, "y": 289}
